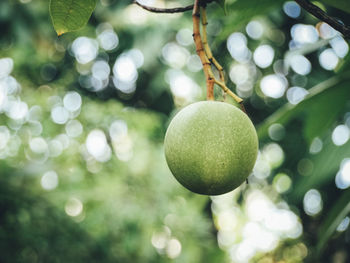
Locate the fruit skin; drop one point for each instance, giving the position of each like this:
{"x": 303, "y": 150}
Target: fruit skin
{"x": 211, "y": 147}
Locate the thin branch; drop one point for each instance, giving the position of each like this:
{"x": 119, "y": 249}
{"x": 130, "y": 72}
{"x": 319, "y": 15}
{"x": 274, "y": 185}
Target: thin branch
{"x": 212, "y": 60}
{"x": 164, "y": 10}
{"x": 200, "y": 51}
{"x": 223, "y": 86}
{"x": 320, "y": 14}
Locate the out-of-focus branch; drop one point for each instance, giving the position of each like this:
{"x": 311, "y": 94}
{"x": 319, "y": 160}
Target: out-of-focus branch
{"x": 320, "y": 14}
{"x": 171, "y": 10}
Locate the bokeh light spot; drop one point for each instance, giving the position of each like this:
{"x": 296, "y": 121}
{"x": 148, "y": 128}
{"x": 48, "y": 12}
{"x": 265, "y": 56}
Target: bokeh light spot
{"x": 184, "y": 37}
{"x": 254, "y": 29}
{"x": 263, "y": 56}
{"x": 173, "y": 248}
{"x": 276, "y": 131}
{"x": 49, "y": 180}
{"x": 300, "y": 64}
{"x": 84, "y": 49}
{"x": 73, "y": 207}
{"x": 273, "y": 86}
{"x": 74, "y": 128}
{"x": 304, "y": 34}
{"x": 59, "y": 115}
{"x": 282, "y": 183}
{"x": 296, "y": 95}
{"x": 292, "y": 9}
{"x": 340, "y": 135}
{"x": 108, "y": 39}
{"x": 344, "y": 224}
{"x": 72, "y": 101}
{"x": 316, "y": 145}
{"x": 342, "y": 179}
{"x": 312, "y": 202}
{"x": 328, "y": 59}
{"x": 96, "y": 145}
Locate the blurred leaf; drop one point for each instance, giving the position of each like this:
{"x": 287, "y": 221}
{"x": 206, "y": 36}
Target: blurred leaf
{"x": 323, "y": 111}
{"x": 343, "y": 5}
{"x": 334, "y": 217}
{"x": 325, "y": 165}
{"x": 344, "y": 64}
{"x": 317, "y": 94}
{"x": 70, "y": 15}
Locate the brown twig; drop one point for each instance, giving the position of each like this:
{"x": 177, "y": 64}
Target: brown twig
{"x": 200, "y": 51}
{"x": 164, "y": 10}
{"x": 320, "y": 14}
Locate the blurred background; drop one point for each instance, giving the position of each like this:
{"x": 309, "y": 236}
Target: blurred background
{"x": 83, "y": 176}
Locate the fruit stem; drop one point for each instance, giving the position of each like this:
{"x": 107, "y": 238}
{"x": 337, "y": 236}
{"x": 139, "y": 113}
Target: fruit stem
{"x": 205, "y": 54}
{"x": 200, "y": 51}
{"x": 223, "y": 86}
{"x": 242, "y": 107}
{"x": 207, "y": 47}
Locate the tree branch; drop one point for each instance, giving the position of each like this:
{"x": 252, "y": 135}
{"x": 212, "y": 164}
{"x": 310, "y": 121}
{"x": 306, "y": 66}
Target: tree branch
{"x": 320, "y": 14}
{"x": 164, "y": 10}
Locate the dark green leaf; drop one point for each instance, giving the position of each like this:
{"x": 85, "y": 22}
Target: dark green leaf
{"x": 323, "y": 111}
{"x": 70, "y": 15}
{"x": 334, "y": 217}
{"x": 340, "y": 4}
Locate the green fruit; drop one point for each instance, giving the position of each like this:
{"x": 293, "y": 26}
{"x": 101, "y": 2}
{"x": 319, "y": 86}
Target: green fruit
{"x": 211, "y": 147}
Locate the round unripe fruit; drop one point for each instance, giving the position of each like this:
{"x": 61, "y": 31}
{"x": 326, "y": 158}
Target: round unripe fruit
{"x": 211, "y": 147}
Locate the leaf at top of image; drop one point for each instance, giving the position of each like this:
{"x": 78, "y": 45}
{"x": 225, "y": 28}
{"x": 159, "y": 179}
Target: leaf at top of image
{"x": 70, "y": 15}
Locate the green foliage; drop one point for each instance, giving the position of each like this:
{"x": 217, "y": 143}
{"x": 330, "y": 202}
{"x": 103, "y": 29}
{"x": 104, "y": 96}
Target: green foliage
{"x": 336, "y": 214}
{"x": 325, "y": 166}
{"x": 40, "y": 232}
{"x": 70, "y": 15}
